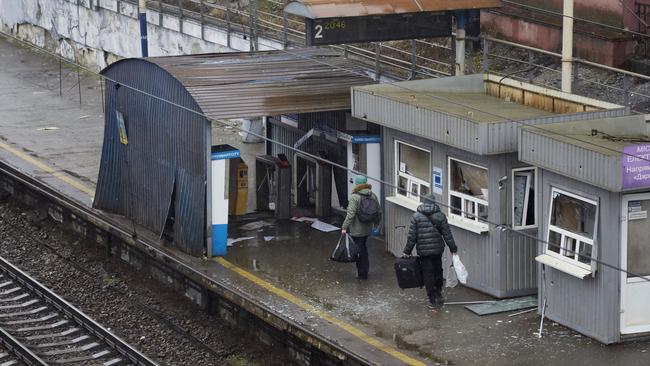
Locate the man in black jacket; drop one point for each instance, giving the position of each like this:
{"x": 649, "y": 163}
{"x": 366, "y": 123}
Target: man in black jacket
{"x": 428, "y": 232}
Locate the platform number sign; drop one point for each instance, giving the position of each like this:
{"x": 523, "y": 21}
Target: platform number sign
{"x": 327, "y": 31}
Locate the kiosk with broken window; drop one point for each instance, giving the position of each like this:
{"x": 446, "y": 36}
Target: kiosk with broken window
{"x": 594, "y": 192}
{"x": 457, "y": 138}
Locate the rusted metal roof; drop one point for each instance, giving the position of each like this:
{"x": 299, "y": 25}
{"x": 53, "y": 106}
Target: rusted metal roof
{"x": 315, "y": 9}
{"x": 255, "y": 84}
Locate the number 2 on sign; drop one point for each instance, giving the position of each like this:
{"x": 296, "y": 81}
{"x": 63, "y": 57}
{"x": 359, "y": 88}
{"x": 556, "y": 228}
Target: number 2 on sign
{"x": 319, "y": 31}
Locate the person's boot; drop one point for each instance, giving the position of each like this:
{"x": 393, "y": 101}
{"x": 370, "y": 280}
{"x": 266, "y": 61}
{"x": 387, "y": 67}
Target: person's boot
{"x": 433, "y": 302}
{"x": 439, "y": 299}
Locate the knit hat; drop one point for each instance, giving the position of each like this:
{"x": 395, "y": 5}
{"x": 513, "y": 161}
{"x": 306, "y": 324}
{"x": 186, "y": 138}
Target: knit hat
{"x": 360, "y": 179}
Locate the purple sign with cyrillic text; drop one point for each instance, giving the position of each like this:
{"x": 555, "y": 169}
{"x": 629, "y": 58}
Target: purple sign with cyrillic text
{"x": 636, "y": 166}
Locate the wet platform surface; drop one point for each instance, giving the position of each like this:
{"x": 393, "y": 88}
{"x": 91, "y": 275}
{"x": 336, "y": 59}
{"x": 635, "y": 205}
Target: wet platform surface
{"x": 58, "y": 140}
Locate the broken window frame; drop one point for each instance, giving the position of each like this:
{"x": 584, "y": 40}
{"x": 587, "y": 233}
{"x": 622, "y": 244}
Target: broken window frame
{"x": 410, "y": 179}
{"x": 466, "y": 220}
{"x": 535, "y": 184}
{"x": 566, "y": 235}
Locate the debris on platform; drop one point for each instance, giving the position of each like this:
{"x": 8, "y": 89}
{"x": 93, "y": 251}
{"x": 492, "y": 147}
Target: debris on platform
{"x": 304, "y": 219}
{"x": 268, "y": 238}
{"x": 503, "y": 306}
{"x": 324, "y": 227}
{"x": 255, "y": 225}
{"x": 232, "y": 241}
{"x": 49, "y": 128}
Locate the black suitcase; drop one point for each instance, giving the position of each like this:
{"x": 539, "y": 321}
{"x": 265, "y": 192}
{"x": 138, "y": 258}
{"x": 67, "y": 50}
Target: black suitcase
{"x": 409, "y": 273}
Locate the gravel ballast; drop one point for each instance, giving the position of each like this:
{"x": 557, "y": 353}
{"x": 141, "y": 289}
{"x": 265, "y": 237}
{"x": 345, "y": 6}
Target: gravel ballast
{"x": 155, "y": 319}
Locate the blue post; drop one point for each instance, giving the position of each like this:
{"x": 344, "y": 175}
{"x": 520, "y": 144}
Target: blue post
{"x": 142, "y": 16}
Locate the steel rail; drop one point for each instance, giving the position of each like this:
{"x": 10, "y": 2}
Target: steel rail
{"x": 67, "y": 310}
{"x": 109, "y": 225}
{"x": 19, "y": 350}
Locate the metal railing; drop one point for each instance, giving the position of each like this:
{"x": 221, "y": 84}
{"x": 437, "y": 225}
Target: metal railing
{"x": 263, "y": 22}
{"x": 619, "y": 85}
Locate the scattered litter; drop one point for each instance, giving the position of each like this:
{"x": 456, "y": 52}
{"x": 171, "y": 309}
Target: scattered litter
{"x": 269, "y": 238}
{"x": 233, "y": 241}
{"x": 84, "y": 117}
{"x": 503, "y": 306}
{"x": 324, "y": 227}
{"x": 303, "y": 219}
{"x": 255, "y": 225}
{"x": 49, "y": 128}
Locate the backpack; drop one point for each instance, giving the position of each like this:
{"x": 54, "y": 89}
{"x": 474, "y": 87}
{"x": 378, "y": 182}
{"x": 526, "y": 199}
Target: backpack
{"x": 368, "y": 209}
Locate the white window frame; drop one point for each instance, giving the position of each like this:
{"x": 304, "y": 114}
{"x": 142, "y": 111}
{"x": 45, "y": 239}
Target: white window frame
{"x": 512, "y": 198}
{"x": 472, "y": 224}
{"x": 410, "y": 180}
{"x": 564, "y": 234}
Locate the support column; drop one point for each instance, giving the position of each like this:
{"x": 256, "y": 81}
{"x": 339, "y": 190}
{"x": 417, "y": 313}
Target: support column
{"x": 461, "y": 24}
{"x": 567, "y": 46}
{"x": 142, "y": 16}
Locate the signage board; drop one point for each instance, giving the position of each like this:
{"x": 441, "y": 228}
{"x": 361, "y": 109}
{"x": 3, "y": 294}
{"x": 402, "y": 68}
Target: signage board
{"x": 635, "y": 164}
{"x": 366, "y": 139}
{"x": 375, "y": 28}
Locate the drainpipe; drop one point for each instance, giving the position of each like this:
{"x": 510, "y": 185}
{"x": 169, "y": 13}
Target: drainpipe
{"x": 142, "y": 16}
{"x": 461, "y": 23}
{"x": 567, "y": 46}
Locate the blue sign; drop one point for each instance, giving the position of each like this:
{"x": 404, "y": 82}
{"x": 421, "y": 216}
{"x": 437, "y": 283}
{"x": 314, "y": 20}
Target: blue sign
{"x": 222, "y": 155}
{"x": 437, "y": 180}
{"x": 366, "y": 139}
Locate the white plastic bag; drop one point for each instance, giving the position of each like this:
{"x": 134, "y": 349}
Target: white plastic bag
{"x": 452, "y": 280}
{"x": 459, "y": 267}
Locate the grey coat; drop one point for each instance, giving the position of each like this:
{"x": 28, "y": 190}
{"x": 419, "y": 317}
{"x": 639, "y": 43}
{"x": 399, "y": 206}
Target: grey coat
{"x": 429, "y": 231}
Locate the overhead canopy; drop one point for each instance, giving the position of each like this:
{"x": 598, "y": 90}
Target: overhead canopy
{"x": 255, "y": 84}
{"x": 315, "y": 9}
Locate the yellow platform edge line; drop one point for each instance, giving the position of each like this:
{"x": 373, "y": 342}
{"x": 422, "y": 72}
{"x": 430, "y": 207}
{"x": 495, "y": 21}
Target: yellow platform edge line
{"x": 310, "y": 308}
{"x": 47, "y": 169}
{"x": 240, "y": 271}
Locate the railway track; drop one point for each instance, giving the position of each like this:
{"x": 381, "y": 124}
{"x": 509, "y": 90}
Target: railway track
{"x": 37, "y": 327}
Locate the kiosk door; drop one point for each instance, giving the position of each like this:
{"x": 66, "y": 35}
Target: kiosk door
{"x": 365, "y": 157}
{"x": 635, "y": 258}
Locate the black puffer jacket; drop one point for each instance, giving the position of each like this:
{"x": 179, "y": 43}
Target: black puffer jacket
{"x": 429, "y": 240}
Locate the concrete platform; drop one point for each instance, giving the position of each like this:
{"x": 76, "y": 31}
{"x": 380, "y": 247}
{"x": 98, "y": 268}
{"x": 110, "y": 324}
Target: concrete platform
{"x": 288, "y": 281}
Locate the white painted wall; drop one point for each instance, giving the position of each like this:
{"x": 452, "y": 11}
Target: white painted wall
{"x": 98, "y": 35}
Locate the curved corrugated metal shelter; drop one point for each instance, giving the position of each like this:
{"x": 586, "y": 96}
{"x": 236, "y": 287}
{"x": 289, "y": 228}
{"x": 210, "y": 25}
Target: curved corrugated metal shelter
{"x": 165, "y": 104}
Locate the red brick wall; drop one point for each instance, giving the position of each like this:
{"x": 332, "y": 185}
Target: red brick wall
{"x": 591, "y": 42}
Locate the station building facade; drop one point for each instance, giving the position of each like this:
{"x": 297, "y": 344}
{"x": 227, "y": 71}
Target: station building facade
{"x": 594, "y": 251}
{"x": 457, "y": 138}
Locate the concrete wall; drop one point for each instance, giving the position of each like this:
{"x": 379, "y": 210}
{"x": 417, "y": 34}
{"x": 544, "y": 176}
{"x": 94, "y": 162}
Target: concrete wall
{"x": 97, "y": 32}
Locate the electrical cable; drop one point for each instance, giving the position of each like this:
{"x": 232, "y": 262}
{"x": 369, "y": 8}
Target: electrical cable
{"x": 502, "y": 227}
{"x": 593, "y": 22}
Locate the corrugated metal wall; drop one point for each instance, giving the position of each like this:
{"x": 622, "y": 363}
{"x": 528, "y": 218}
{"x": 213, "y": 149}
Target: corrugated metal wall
{"x": 167, "y": 152}
{"x": 502, "y": 136}
{"x": 500, "y": 263}
{"x": 570, "y": 160}
{"x": 590, "y": 306}
{"x": 451, "y": 130}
